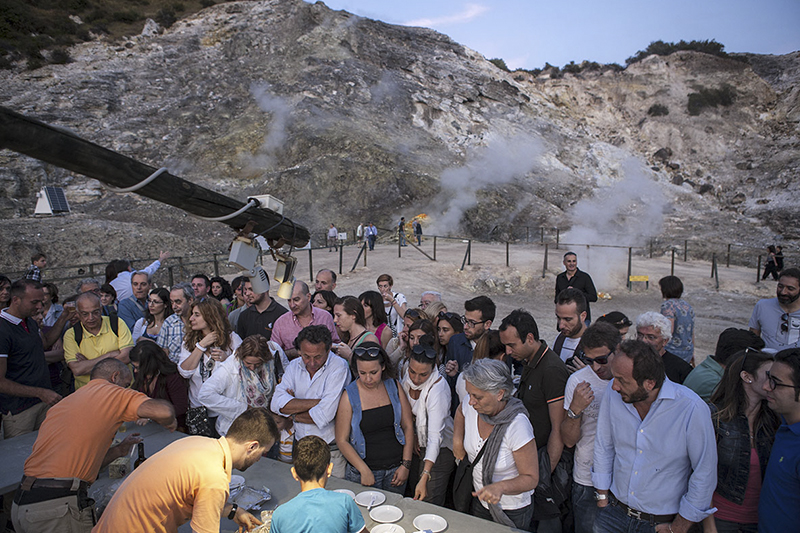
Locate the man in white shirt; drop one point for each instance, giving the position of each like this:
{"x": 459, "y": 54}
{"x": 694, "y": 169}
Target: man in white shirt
{"x": 122, "y": 283}
{"x": 310, "y": 390}
{"x": 571, "y": 324}
{"x": 582, "y": 396}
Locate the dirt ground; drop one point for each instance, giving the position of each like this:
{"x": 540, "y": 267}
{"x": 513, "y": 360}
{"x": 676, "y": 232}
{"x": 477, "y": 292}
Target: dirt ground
{"x": 521, "y": 284}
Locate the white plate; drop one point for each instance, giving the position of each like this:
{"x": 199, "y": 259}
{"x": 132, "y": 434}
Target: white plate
{"x": 386, "y": 514}
{"x": 388, "y": 528}
{"x": 347, "y": 491}
{"x": 434, "y": 522}
{"x": 370, "y": 498}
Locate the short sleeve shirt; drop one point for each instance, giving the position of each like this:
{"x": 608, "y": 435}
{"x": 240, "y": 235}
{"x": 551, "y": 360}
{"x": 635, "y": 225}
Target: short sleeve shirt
{"x": 318, "y": 511}
{"x": 584, "y": 449}
{"x": 779, "y": 329}
{"x": 25, "y": 363}
{"x": 543, "y": 382}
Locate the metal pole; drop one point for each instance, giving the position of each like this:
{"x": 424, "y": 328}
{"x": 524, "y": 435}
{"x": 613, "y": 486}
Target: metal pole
{"x": 527, "y": 234}
{"x": 685, "y": 250}
{"x": 672, "y": 268}
{"x": 544, "y": 263}
{"x": 365, "y": 252}
{"x": 630, "y": 265}
{"x": 651, "y": 248}
{"x": 91, "y": 270}
{"x": 180, "y": 264}
{"x": 341, "y": 252}
{"x": 399, "y": 248}
{"x": 728, "y": 260}
{"x": 541, "y": 238}
{"x": 434, "y": 248}
{"x": 171, "y": 278}
{"x": 558, "y": 237}
{"x": 310, "y": 265}
{"x": 216, "y": 266}
{"x": 758, "y": 270}
{"x": 469, "y": 252}
{"x": 507, "y": 253}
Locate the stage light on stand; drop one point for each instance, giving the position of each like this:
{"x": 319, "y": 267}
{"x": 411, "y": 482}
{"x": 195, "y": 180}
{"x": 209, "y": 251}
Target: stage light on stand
{"x": 259, "y": 280}
{"x": 284, "y": 271}
{"x": 286, "y": 289}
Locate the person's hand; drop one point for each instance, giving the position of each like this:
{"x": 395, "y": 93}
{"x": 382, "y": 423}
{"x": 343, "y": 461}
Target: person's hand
{"x": 416, "y": 444}
{"x": 421, "y": 490}
{"x": 162, "y": 256}
{"x": 489, "y": 494}
{"x": 50, "y": 397}
{"x": 172, "y": 426}
{"x": 367, "y": 478}
{"x": 344, "y": 351}
{"x": 582, "y": 397}
{"x": 218, "y": 354}
{"x": 575, "y": 364}
{"x": 245, "y": 520}
{"x": 400, "y": 476}
{"x": 128, "y": 443}
{"x": 80, "y": 357}
{"x": 142, "y": 421}
{"x": 451, "y": 368}
{"x": 290, "y": 392}
{"x": 602, "y": 503}
{"x": 208, "y": 340}
{"x": 403, "y": 338}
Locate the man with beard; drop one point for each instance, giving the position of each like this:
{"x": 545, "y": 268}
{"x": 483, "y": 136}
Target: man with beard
{"x": 777, "y": 320}
{"x": 655, "y": 451}
{"x": 259, "y": 318}
{"x": 570, "y": 322}
{"x": 577, "y": 279}
{"x": 190, "y": 479}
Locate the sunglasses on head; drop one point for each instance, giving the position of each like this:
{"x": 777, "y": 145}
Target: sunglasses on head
{"x": 424, "y": 349}
{"x": 449, "y": 316}
{"x": 412, "y": 313}
{"x": 368, "y": 353}
{"x": 602, "y": 360}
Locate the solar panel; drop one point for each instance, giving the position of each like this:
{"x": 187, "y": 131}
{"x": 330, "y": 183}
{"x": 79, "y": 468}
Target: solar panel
{"x": 57, "y": 199}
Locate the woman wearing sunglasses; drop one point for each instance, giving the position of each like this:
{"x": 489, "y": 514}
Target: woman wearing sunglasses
{"x": 348, "y": 316}
{"x": 429, "y": 396}
{"x": 745, "y": 428}
{"x": 374, "y": 430}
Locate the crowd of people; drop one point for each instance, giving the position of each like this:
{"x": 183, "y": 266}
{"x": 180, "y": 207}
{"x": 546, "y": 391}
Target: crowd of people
{"x": 613, "y": 428}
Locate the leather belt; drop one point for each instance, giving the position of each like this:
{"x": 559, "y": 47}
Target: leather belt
{"x": 653, "y": 519}
{"x": 73, "y": 484}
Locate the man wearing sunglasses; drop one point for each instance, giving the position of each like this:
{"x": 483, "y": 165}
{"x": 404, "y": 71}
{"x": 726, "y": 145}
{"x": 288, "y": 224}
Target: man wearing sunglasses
{"x": 777, "y": 320}
{"x": 779, "y": 505}
{"x": 582, "y": 397}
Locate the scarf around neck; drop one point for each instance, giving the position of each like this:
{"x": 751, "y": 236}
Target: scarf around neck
{"x": 420, "y": 408}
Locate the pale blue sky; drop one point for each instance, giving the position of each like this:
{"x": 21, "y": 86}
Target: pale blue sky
{"x": 528, "y": 33}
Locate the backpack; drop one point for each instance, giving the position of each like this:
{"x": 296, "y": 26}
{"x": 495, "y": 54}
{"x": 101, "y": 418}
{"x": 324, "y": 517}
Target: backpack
{"x": 113, "y": 320}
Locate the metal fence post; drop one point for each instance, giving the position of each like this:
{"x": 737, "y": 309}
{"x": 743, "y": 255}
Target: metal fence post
{"x": 91, "y": 271}
{"x": 728, "y": 260}
{"x": 685, "y": 250}
{"x": 216, "y": 266}
{"x": 434, "y": 248}
{"x": 558, "y": 237}
{"x": 541, "y": 238}
{"x": 507, "y": 253}
{"x": 469, "y": 252}
{"x": 758, "y": 270}
{"x": 310, "y": 265}
{"x": 672, "y": 268}
{"x": 341, "y": 253}
{"x": 544, "y": 263}
{"x": 651, "y": 248}
{"x": 630, "y": 267}
{"x": 171, "y": 277}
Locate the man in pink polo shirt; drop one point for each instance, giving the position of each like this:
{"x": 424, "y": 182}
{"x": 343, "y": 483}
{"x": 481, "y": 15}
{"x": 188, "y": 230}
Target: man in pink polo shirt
{"x": 303, "y": 314}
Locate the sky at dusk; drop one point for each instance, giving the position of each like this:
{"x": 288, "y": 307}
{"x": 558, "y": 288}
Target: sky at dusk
{"x": 528, "y": 33}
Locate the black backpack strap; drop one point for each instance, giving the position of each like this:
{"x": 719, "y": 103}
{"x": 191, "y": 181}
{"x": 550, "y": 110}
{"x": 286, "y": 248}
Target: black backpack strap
{"x": 559, "y": 343}
{"x": 113, "y": 320}
{"x": 77, "y": 329}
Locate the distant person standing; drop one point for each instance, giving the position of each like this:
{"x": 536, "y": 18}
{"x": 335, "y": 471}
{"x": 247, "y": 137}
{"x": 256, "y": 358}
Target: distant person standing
{"x": 360, "y": 232}
{"x": 372, "y": 234}
{"x": 771, "y": 268}
{"x": 680, "y": 315}
{"x": 333, "y": 238}
{"x": 418, "y": 231}
{"x": 577, "y": 279}
{"x": 38, "y": 262}
{"x": 401, "y": 231}
{"x": 779, "y": 257}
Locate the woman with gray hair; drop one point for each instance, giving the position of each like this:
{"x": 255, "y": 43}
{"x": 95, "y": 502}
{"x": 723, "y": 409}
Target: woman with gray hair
{"x": 656, "y": 330}
{"x": 508, "y": 470}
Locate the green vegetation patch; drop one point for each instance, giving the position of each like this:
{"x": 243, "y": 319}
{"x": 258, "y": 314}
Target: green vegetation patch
{"x": 723, "y": 96}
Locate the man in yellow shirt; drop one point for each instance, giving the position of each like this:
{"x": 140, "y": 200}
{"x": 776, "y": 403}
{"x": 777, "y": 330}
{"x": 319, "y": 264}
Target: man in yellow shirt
{"x": 190, "y": 480}
{"x": 98, "y": 340}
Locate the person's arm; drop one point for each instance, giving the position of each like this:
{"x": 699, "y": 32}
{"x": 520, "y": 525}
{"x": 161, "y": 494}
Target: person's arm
{"x": 554, "y": 443}
{"x": 12, "y": 388}
{"x": 55, "y": 333}
{"x": 407, "y": 423}
{"x": 190, "y": 363}
{"x": 755, "y": 323}
{"x": 527, "y": 462}
{"x": 121, "y": 450}
{"x": 56, "y": 352}
{"x": 588, "y": 289}
{"x": 386, "y": 336}
{"x": 218, "y": 393}
{"x": 244, "y": 519}
{"x": 160, "y": 411}
{"x": 324, "y": 412}
{"x": 458, "y": 435}
{"x": 577, "y": 399}
{"x": 344, "y": 417}
{"x": 438, "y": 407}
{"x": 83, "y": 367}
{"x": 604, "y": 453}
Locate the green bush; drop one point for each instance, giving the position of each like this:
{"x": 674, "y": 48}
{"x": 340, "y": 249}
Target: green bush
{"x": 178, "y": 6}
{"x": 127, "y": 17}
{"x": 60, "y": 56}
{"x": 664, "y": 49}
{"x": 658, "y": 110}
{"x": 207, "y": 3}
{"x": 723, "y": 96}
{"x": 166, "y": 17}
{"x": 499, "y": 63}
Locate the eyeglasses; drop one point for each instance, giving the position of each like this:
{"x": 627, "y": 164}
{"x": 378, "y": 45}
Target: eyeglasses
{"x": 369, "y": 353}
{"x": 424, "y": 349}
{"x": 602, "y": 360}
{"x": 472, "y": 323}
{"x": 773, "y": 383}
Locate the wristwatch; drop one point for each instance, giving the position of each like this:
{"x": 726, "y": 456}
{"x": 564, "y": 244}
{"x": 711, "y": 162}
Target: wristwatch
{"x": 600, "y": 497}
{"x": 573, "y": 415}
{"x": 235, "y": 507}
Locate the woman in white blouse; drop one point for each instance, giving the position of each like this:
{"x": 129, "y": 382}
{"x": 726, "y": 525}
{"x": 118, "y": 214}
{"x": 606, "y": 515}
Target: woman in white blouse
{"x": 508, "y": 471}
{"x": 208, "y": 341}
{"x": 245, "y": 380}
{"x": 158, "y": 309}
{"x": 429, "y": 395}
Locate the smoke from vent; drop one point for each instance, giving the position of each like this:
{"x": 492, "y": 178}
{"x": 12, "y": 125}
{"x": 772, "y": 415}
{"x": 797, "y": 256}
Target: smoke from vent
{"x": 279, "y": 109}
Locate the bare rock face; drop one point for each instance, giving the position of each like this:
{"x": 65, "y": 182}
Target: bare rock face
{"x": 345, "y": 118}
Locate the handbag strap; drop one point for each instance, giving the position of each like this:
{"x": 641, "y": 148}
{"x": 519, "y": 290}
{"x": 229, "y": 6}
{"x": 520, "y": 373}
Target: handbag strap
{"x": 480, "y": 454}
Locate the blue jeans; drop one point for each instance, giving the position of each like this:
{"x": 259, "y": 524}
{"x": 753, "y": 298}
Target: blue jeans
{"x": 520, "y": 517}
{"x": 584, "y": 507}
{"x": 383, "y": 478}
{"x": 612, "y": 519}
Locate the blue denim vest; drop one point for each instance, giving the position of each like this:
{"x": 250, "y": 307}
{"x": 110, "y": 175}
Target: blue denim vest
{"x": 356, "y": 436}
{"x": 733, "y": 456}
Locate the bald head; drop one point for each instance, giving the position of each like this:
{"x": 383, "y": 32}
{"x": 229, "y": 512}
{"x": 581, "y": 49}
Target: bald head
{"x": 113, "y": 371}
{"x": 300, "y": 302}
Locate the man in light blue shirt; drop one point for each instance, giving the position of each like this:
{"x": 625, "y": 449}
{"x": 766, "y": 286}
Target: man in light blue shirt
{"x": 655, "y": 453}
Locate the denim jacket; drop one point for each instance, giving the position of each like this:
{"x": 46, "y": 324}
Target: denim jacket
{"x": 356, "y": 436}
{"x": 733, "y": 455}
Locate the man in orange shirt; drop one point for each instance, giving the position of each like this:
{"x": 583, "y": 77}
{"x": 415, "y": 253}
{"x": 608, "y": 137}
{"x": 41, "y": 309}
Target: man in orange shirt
{"x": 190, "y": 480}
{"x": 73, "y": 444}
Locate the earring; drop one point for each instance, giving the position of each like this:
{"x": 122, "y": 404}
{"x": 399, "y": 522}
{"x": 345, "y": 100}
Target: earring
{"x": 749, "y": 381}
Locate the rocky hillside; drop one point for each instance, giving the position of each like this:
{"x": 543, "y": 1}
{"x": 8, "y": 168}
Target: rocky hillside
{"x": 345, "y": 118}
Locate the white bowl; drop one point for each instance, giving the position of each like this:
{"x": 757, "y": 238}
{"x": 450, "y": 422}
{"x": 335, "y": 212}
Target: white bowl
{"x": 386, "y": 514}
{"x": 434, "y": 522}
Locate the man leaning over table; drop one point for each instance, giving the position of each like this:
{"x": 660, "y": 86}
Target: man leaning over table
{"x": 190, "y": 480}
{"x": 74, "y": 442}
{"x": 655, "y": 452}
{"x": 310, "y": 390}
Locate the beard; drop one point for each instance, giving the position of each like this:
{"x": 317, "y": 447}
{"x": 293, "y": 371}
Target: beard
{"x": 785, "y": 299}
{"x": 639, "y": 395}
